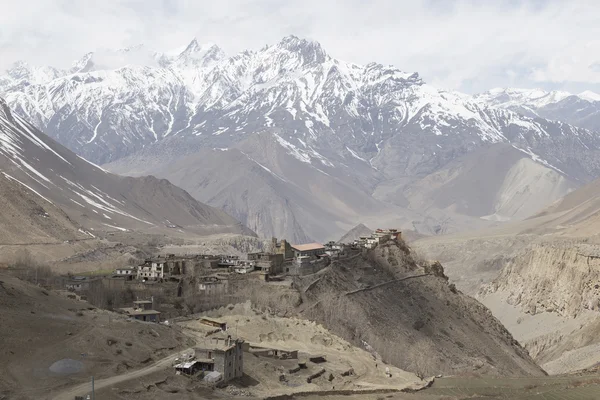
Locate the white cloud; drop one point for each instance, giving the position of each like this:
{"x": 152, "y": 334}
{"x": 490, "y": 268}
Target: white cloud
{"x": 464, "y": 44}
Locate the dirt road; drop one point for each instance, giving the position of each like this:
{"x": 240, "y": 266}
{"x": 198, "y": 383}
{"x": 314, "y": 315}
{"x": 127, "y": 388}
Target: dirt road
{"x": 85, "y": 388}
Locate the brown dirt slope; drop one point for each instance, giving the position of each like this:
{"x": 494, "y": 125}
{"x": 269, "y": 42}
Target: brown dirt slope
{"x": 96, "y": 198}
{"x": 411, "y": 316}
{"x": 28, "y": 218}
{"x": 50, "y": 342}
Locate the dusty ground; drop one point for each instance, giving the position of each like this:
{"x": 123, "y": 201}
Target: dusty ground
{"x": 310, "y": 339}
{"x": 49, "y": 342}
{"x": 52, "y": 345}
{"x": 261, "y": 379}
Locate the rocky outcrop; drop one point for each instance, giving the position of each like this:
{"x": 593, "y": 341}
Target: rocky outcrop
{"x": 408, "y": 313}
{"x": 552, "y": 277}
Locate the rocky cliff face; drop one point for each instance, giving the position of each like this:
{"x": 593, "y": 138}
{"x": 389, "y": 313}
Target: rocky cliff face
{"x": 548, "y": 296}
{"x": 561, "y": 277}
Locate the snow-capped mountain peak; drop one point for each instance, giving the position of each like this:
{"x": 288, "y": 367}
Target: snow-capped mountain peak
{"x": 303, "y": 51}
{"x": 192, "y": 47}
{"x": 581, "y": 109}
{"x": 294, "y": 85}
{"x": 366, "y": 126}
{"x": 507, "y": 97}
{"x": 22, "y": 72}
{"x": 84, "y": 64}
{"x": 589, "y": 95}
{"x": 199, "y": 55}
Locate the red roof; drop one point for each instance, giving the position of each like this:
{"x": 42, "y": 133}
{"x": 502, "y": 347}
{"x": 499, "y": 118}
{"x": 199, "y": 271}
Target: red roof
{"x": 307, "y": 246}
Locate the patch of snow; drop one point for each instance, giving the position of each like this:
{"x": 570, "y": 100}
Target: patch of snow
{"x": 220, "y": 131}
{"x": 538, "y": 159}
{"x": 93, "y": 165}
{"x": 293, "y": 150}
{"x": 263, "y": 167}
{"x": 28, "y": 187}
{"x": 34, "y": 139}
{"x": 29, "y": 167}
{"x": 116, "y": 227}
{"x": 353, "y": 153}
{"x": 95, "y": 132}
{"x": 86, "y": 232}
{"x": 496, "y": 217}
{"x": 78, "y": 203}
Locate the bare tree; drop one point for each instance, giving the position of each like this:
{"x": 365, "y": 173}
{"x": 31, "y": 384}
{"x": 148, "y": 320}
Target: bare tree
{"x": 420, "y": 359}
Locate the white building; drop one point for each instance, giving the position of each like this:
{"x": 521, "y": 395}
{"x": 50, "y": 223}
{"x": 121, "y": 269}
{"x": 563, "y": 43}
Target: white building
{"x": 126, "y": 271}
{"x": 151, "y": 270}
{"x": 244, "y": 268}
{"x": 372, "y": 242}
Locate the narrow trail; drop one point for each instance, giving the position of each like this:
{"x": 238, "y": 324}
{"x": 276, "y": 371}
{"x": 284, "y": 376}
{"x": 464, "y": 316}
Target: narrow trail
{"x": 385, "y": 283}
{"x": 70, "y": 241}
{"x": 84, "y": 388}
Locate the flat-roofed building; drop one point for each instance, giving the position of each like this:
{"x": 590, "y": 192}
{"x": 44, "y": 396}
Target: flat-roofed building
{"x": 222, "y": 354}
{"x": 142, "y": 310}
{"x": 142, "y": 315}
{"x": 311, "y": 250}
{"x": 213, "y": 322}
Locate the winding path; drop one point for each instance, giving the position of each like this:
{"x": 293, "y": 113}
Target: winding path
{"x": 84, "y": 388}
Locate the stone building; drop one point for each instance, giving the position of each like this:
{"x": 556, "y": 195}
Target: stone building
{"x": 282, "y": 247}
{"x": 142, "y": 310}
{"x": 127, "y": 272}
{"x": 269, "y": 263}
{"x": 171, "y": 265}
{"x": 394, "y": 234}
{"x": 222, "y": 354}
{"x": 213, "y": 285}
{"x": 81, "y": 283}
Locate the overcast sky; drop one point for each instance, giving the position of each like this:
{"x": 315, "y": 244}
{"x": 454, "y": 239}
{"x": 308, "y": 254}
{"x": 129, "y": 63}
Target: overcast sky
{"x": 465, "y": 45}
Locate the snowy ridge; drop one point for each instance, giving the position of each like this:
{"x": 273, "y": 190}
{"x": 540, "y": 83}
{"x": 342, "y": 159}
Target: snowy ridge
{"x": 581, "y": 110}
{"x": 589, "y": 95}
{"x": 534, "y": 98}
{"x": 107, "y": 113}
{"x": 320, "y": 108}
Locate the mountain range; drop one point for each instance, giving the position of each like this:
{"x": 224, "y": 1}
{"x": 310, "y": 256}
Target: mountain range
{"x": 581, "y": 109}
{"x": 64, "y": 197}
{"x": 296, "y": 143}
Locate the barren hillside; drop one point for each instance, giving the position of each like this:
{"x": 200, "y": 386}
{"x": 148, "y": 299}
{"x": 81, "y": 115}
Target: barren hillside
{"x": 28, "y": 218}
{"x": 95, "y": 198}
{"x": 411, "y": 316}
{"x": 49, "y": 341}
{"x": 539, "y": 275}
{"x": 354, "y": 233}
